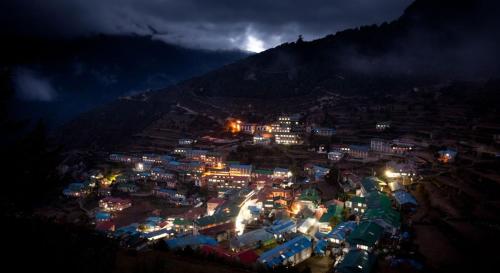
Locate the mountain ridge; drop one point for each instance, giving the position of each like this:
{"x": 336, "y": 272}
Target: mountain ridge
{"x": 429, "y": 44}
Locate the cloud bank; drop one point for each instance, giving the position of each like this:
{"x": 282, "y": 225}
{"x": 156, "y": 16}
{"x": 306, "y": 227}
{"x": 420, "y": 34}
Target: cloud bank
{"x": 223, "y": 24}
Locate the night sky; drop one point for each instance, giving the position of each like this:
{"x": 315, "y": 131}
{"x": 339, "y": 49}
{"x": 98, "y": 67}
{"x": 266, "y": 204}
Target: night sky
{"x": 252, "y": 25}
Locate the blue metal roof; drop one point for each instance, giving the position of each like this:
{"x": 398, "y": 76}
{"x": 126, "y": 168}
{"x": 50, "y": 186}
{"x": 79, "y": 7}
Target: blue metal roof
{"x": 102, "y": 215}
{"x": 404, "y": 198}
{"x": 341, "y": 230}
{"x": 190, "y": 240}
{"x": 281, "y": 226}
{"x": 278, "y": 254}
{"x": 320, "y": 247}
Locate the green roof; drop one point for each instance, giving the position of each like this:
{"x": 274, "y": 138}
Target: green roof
{"x": 278, "y": 206}
{"x": 333, "y": 211}
{"x": 181, "y": 222}
{"x": 358, "y": 199}
{"x": 218, "y": 218}
{"x": 378, "y": 200}
{"x": 262, "y": 171}
{"x": 367, "y": 233}
{"x": 356, "y": 260}
{"x": 310, "y": 195}
{"x": 388, "y": 215}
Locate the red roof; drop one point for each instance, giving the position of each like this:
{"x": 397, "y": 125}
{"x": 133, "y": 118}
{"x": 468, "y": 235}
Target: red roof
{"x": 207, "y": 249}
{"x": 216, "y": 201}
{"x": 111, "y": 199}
{"x": 194, "y": 213}
{"x": 212, "y": 231}
{"x": 105, "y": 226}
{"x": 247, "y": 256}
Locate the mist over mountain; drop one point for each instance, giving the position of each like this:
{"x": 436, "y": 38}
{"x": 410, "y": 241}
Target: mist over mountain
{"x": 433, "y": 42}
{"x": 56, "y": 80}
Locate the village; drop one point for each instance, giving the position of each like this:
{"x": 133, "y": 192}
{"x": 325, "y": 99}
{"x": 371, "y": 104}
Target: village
{"x": 336, "y": 208}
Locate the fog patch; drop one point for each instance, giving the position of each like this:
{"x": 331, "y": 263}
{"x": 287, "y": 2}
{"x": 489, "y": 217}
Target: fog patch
{"x": 31, "y": 86}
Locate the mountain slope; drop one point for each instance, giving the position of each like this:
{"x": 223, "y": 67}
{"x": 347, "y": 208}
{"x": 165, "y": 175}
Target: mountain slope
{"x": 431, "y": 43}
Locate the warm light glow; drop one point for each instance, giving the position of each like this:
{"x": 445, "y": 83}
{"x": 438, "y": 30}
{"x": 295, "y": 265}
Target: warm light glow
{"x": 243, "y": 215}
{"x": 390, "y": 174}
{"x": 234, "y": 126}
{"x": 296, "y": 207}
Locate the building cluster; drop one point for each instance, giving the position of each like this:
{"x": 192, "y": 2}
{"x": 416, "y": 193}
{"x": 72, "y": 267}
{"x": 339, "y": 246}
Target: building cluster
{"x": 377, "y": 149}
{"x": 285, "y": 130}
{"x": 263, "y": 216}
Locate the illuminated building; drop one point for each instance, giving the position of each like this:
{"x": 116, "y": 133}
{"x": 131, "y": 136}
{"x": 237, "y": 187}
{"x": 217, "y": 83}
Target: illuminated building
{"x": 262, "y": 139}
{"x": 341, "y": 148}
{"x": 152, "y": 158}
{"x": 186, "y": 141}
{"x": 400, "y": 170}
{"x": 339, "y": 234}
{"x": 318, "y": 172}
{"x": 286, "y": 124}
{"x": 181, "y": 150}
{"x": 359, "y": 151}
{"x": 287, "y": 138}
{"x": 261, "y": 174}
{"x": 381, "y": 146}
{"x": 234, "y": 125}
{"x": 383, "y": 125}
{"x": 324, "y": 222}
{"x": 160, "y": 174}
{"x": 289, "y": 253}
{"x": 447, "y": 155}
{"x": 236, "y": 169}
{"x": 365, "y": 236}
{"x": 76, "y": 190}
{"x": 335, "y": 156}
{"x": 212, "y": 159}
{"x": 124, "y": 158}
{"x": 195, "y": 154}
{"x": 281, "y": 173}
{"x": 307, "y": 225}
{"x": 322, "y": 131}
{"x": 114, "y": 204}
{"x": 248, "y": 128}
{"x": 370, "y": 185}
{"x": 235, "y": 177}
{"x": 356, "y": 204}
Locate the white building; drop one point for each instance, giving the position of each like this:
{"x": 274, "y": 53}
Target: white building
{"x": 335, "y": 156}
{"x": 186, "y": 141}
{"x": 287, "y": 138}
{"x": 383, "y": 125}
{"x": 261, "y": 139}
{"x": 381, "y": 145}
{"x": 323, "y": 131}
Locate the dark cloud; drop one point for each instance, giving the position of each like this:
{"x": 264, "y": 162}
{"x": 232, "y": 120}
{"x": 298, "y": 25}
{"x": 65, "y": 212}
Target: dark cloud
{"x": 250, "y": 24}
